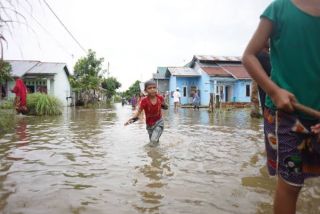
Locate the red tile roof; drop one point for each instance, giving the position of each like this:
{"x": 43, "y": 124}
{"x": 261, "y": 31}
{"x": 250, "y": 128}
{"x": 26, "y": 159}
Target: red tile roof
{"x": 216, "y": 71}
{"x": 237, "y": 71}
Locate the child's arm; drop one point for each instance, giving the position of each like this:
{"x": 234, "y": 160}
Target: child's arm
{"x": 316, "y": 128}
{"x": 164, "y": 105}
{"x": 134, "y": 118}
{"x": 281, "y": 98}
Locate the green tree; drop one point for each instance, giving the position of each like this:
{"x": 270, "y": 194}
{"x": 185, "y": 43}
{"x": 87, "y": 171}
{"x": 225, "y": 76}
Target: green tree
{"x": 134, "y": 89}
{"x": 88, "y": 76}
{"x": 5, "y": 74}
{"x": 110, "y": 84}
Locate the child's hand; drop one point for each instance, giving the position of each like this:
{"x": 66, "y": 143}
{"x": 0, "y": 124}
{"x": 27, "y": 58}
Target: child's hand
{"x": 283, "y": 100}
{"x": 316, "y": 128}
{"x": 164, "y": 106}
{"x": 131, "y": 120}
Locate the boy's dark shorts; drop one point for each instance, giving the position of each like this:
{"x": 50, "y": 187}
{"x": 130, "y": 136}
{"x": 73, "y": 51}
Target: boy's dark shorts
{"x": 293, "y": 152}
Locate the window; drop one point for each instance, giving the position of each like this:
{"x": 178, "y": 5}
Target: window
{"x": 248, "y": 90}
{"x": 184, "y": 91}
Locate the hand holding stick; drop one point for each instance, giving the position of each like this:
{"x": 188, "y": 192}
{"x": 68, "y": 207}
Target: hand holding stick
{"x": 311, "y": 112}
{"x": 307, "y": 110}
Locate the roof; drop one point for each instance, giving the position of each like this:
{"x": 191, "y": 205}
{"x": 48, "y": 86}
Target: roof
{"x": 217, "y": 58}
{"x": 235, "y": 71}
{"x": 183, "y": 71}
{"x": 216, "y": 71}
{"x": 161, "y": 73}
{"x": 24, "y": 67}
{"x": 47, "y": 68}
{"x": 238, "y": 72}
{"x": 20, "y": 67}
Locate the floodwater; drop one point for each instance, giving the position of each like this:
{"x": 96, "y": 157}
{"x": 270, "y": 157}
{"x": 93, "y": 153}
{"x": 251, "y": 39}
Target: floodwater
{"x": 86, "y": 161}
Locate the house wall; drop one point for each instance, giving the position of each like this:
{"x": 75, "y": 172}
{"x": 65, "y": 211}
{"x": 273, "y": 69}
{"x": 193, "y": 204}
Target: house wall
{"x": 240, "y": 90}
{"x": 188, "y": 83}
{"x": 172, "y": 88}
{"x": 9, "y": 87}
{"x": 181, "y": 83}
{"x": 163, "y": 85}
{"x": 204, "y": 86}
{"x": 61, "y": 87}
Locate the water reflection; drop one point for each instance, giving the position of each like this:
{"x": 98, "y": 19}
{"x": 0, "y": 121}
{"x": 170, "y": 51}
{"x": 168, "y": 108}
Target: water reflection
{"x": 156, "y": 173}
{"x": 21, "y": 132}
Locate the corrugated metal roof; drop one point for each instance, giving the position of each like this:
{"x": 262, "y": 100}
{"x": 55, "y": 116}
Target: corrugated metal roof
{"x": 47, "y": 68}
{"x": 183, "y": 71}
{"x": 161, "y": 73}
{"x": 216, "y": 71}
{"x": 23, "y": 67}
{"x": 238, "y": 72}
{"x": 20, "y": 67}
{"x": 218, "y": 58}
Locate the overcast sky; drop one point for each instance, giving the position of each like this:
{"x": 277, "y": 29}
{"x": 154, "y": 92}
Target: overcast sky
{"x": 135, "y": 36}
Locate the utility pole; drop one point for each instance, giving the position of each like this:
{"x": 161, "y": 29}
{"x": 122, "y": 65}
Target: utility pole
{"x": 108, "y": 72}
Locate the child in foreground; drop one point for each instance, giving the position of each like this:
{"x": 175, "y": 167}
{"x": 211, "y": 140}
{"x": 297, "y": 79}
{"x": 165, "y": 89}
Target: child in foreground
{"x": 151, "y": 105}
{"x": 292, "y": 138}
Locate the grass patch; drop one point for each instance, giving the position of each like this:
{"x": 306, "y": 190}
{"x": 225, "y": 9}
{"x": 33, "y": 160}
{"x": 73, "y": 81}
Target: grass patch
{"x": 7, "y": 121}
{"x": 43, "y": 104}
{"x": 6, "y": 104}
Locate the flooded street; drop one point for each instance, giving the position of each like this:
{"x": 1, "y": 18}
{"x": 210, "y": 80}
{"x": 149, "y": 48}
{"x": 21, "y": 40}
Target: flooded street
{"x": 86, "y": 161}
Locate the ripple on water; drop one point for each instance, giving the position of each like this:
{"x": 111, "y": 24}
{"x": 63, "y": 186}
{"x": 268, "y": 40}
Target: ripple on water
{"x": 86, "y": 161}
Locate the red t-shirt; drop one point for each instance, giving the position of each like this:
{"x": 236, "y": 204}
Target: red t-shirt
{"x": 152, "y": 112}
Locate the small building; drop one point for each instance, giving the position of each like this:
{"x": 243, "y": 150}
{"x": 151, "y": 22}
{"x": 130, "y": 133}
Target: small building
{"x": 186, "y": 79}
{"x": 223, "y": 77}
{"x": 45, "y": 77}
{"x": 161, "y": 77}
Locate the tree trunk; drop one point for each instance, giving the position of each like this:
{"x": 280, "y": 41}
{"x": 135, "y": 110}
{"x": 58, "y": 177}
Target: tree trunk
{"x": 255, "y": 108}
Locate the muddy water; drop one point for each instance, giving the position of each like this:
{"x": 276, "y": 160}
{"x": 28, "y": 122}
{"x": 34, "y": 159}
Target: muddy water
{"x": 86, "y": 161}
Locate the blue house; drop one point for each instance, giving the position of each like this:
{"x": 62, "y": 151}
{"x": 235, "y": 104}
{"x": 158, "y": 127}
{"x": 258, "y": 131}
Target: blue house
{"x": 186, "y": 79}
{"x": 223, "y": 77}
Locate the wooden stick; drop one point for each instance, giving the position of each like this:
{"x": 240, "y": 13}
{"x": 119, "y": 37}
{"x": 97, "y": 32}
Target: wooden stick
{"x": 307, "y": 110}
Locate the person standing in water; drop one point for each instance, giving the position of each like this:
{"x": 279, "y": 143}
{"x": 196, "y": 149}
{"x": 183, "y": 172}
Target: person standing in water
{"x": 151, "y": 105}
{"x": 292, "y": 138}
{"x": 21, "y": 96}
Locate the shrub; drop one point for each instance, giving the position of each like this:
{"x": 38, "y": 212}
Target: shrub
{"x": 6, "y": 104}
{"x": 43, "y": 104}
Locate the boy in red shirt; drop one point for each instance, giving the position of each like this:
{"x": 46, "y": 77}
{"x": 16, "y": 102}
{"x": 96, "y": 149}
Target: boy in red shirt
{"x": 152, "y": 105}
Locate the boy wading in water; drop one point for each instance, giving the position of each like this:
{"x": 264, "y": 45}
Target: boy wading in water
{"x": 292, "y": 138}
{"x": 152, "y": 105}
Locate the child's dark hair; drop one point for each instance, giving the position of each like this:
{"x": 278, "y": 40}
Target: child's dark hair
{"x": 149, "y": 82}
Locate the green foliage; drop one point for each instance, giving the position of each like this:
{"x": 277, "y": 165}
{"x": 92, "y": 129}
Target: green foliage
{"x": 5, "y": 71}
{"x": 87, "y": 73}
{"x": 7, "y": 121}
{"x": 134, "y": 89}
{"x": 7, "y": 104}
{"x": 43, "y": 104}
{"x": 111, "y": 84}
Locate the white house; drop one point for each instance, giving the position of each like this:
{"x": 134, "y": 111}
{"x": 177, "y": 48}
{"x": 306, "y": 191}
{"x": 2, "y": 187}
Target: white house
{"x": 45, "y": 77}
